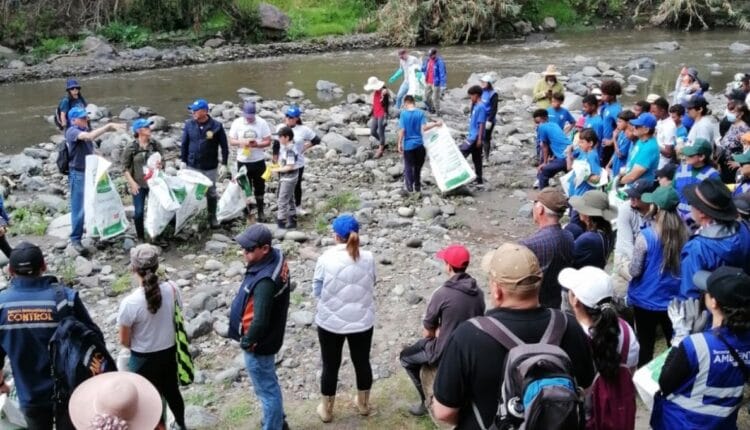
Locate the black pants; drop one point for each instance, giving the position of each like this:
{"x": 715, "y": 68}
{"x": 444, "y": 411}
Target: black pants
{"x": 255, "y": 172}
{"x": 43, "y": 418}
{"x": 476, "y": 158}
{"x": 331, "y": 345}
{"x": 413, "y": 162}
{"x": 412, "y": 359}
{"x": 298, "y": 188}
{"x": 645, "y": 329}
{"x": 487, "y": 143}
{"x": 160, "y": 368}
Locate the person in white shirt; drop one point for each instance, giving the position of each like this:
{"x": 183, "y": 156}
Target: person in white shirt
{"x": 251, "y": 135}
{"x": 406, "y": 65}
{"x": 665, "y": 131}
{"x": 304, "y": 139}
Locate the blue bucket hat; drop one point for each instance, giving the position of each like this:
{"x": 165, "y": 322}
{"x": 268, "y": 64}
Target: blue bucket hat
{"x": 77, "y": 112}
{"x": 644, "y": 120}
{"x": 345, "y": 224}
{"x": 141, "y": 123}
{"x": 72, "y": 83}
{"x": 293, "y": 112}
{"x": 198, "y": 105}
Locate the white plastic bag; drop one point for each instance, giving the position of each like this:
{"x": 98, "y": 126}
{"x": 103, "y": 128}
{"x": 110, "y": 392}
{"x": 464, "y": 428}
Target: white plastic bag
{"x": 162, "y": 204}
{"x": 192, "y": 187}
{"x": 449, "y": 167}
{"x": 646, "y": 379}
{"x": 234, "y": 199}
{"x": 11, "y": 417}
{"x": 104, "y": 215}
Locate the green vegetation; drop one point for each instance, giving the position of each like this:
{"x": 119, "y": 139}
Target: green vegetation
{"x": 67, "y": 272}
{"x": 122, "y": 283}
{"x": 311, "y": 18}
{"x": 341, "y": 202}
{"x": 55, "y": 45}
{"x": 200, "y": 397}
{"x": 29, "y": 221}
{"x": 130, "y": 35}
{"x": 236, "y": 413}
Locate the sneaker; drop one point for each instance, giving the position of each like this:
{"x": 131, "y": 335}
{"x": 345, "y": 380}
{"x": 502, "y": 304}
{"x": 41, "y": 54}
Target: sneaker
{"x": 80, "y": 249}
{"x": 418, "y": 409}
{"x": 536, "y": 184}
{"x": 280, "y": 223}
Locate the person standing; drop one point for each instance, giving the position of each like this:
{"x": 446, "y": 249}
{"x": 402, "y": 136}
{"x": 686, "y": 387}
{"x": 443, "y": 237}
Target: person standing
{"x": 146, "y": 327}
{"x": 252, "y": 135}
{"x": 381, "y": 102}
{"x": 655, "y": 270}
{"x": 30, "y": 311}
{"x": 742, "y": 187}
{"x": 457, "y": 300}
{"x": 552, "y": 245}
{"x": 343, "y": 283}
{"x": 704, "y": 126}
{"x": 475, "y": 136}
{"x": 134, "y": 159}
{"x": 405, "y": 64}
{"x": 80, "y": 140}
{"x": 288, "y": 177}
{"x": 72, "y": 99}
{"x": 412, "y": 122}
{"x": 623, "y": 141}
{"x": 202, "y": 138}
{"x": 696, "y": 168}
{"x": 436, "y": 78}
{"x": 258, "y": 318}
{"x": 304, "y": 139}
{"x": 631, "y": 219}
{"x": 489, "y": 101}
{"x": 591, "y": 117}
{"x": 609, "y": 110}
{"x": 666, "y": 131}
{"x": 546, "y": 87}
{"x": 551, "y": 146}
{"x": 644, "y": 158}
{"x": 738, "y": 115}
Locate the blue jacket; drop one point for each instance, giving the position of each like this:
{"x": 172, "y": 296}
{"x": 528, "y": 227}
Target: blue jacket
{"x": 441, "y": 76}
{"x": 29, "y": 316}
{"x": 655, "y": 287}
{"x": 685, "y": 176}
{"x": 714, "y": 246}
{"x": 201, "y": 143}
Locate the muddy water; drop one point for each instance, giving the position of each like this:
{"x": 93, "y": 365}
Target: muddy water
{"x": 169, "y": 91}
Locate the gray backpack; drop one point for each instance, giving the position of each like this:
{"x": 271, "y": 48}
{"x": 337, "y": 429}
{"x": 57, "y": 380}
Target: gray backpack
{"x": 539, "y": 391}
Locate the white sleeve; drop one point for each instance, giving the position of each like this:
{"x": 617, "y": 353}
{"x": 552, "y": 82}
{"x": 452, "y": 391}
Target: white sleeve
{"x": 308, "y": 135}
{"x": 126, "y": 314}
{"x": 234, "y": 130}
{"x": 634, "y": 349}
{"x": 624, "y": 240}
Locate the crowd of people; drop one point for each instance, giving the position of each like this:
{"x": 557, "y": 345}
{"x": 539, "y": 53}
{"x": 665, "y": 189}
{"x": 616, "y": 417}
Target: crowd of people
{"x": 663, "y": 189}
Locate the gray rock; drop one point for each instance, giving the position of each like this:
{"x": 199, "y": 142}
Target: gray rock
{"x": 355, "y": 99}
{"x": 414, "y": 242}
{"x": 667, "y": 46}
{"x": 198, "y": 327}
{"x": 398, "y": 290}
{"x": 52, "y": 203}
{"x": 23, "y": 164}
{"x": 98, "y": 47}
{"x": 247, "y": 91}
{"x": 413, "y": 299}
{"x": 128, "y": 114}
{"x": 128, "y": 244}
{"x": 214, "y": 42}
{"x": 39, "y": 153}
{"x": 16, "y": 64}
{"x": 339, "y": 143}
{"x": 523, "y": 27}
{"x": 406, "y": 212}
{"x": 159, "y": 123}
{"x": 641, "y": 63}
{"x": 236, "y": 268}
{"x": 549, "y": 24}
{"x": 524, "y": 86}
{"x": 215, "y": 247}
{"x": 525, "y": 210}
{"x": 202, "y": 301}
{"x": 197, "y": 417}
{"x": 635, "y": 79}
{"x": 449, "y": 210}
{"x": 60, "y": 227}
{"x": 396, "y": 171}
{"x": 325, "y": 86}
{"x": 221, "y": 328}
{"x": 89, "y": 281}
{"x": 429, "y": 212}
{"x": 212, "y": 265}
{"x": 603, "y": 66}
{"x": 591, "y": 71}
{"x": 294, "y": 93}
{"x": 94, "y": 112}
{"x": 297, "y": 236}
{"x": 739, "y": 48}
{"x": 272, "y": 17}
{"x": 573, "y": 101}
{"x": 84, "y": 267}
{"x": 304, "y": 318}
{"x": 228, "y": 375}
{"x": 6, "y": 52}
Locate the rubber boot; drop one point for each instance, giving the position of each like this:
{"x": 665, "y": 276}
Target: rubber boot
{"x": 292, "y": 222}
{"x": 139, "y": 230}
{"x": 261, "y": 216}
{"x": 280, "y": 223}
{"x": 362, "y": 402}
{"x": 325, "y": 408}
{"x": 211, "y": 205}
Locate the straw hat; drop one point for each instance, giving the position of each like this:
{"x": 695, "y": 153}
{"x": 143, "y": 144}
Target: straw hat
{"x": 115, "y": 398}
{"x": 373, "y": 84}
{"x": 551, "y": 71}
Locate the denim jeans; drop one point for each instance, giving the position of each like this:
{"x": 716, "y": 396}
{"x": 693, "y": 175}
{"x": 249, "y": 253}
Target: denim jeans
{"x": 77, "y": 181}
{"x": 262, "y": 371}
{"x": 139, "y": 203}
{"x": 553, "y": 167}
{"x": 402, "y": 90}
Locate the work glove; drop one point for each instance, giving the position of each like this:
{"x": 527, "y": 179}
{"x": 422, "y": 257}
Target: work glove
{"x": 246, "y": 345}
{"x": 695, "y": 317}
{"x": 487, "y": 125}
{"x": 223, "y": 172}
{"x": 681, "y": 327}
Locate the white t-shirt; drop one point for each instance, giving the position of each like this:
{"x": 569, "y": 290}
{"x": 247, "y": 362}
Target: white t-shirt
{"x": 259, "y": 130}
{"x": 302, "y": 134}
{"x": 149, "y": 332}
{"x": 705, "y": 128}
{"x": 665, "y": 136}
{"x": 288, "y": 155}
{"x": 633, "y": 350}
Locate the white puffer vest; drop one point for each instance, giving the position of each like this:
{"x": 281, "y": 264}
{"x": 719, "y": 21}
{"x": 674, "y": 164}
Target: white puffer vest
{"x": 346, "y": 303}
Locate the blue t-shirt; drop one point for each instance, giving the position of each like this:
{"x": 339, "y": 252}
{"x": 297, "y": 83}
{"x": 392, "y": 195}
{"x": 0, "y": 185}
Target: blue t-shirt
{"x": 478, "y": 117}
{"x": 77, "y": 149}
{"x": 560, "y": 116}
{"x": 411, "y": 122}
{"x": 594, "y": 122}
{"x": 551, "y": 134}
{"x": 609, "y": 114}
{"x": 646, "y": 155}
{"x": 623, "y": 144}
{"x": 681, "y": 133}
{"x": 592, "y": 158}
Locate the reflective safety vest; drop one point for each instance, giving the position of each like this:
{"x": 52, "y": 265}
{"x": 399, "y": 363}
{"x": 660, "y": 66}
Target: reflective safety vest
{"x": 711, "y": 397}
{"x": 741, "y": 188}
{"x": 487, "y": 103}
{"x": 685, "y": 177}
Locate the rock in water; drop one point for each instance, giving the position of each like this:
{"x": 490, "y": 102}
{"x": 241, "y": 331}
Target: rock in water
{"x": 739, "y": 48}
{"x": 294, "y": 93}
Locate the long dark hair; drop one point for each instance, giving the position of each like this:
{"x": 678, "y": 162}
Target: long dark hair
{"x": 736, "y": 319}
{"x": 605, "y": 338}
{"x": 151, "y": 287}
{"x": 604, "y": 227}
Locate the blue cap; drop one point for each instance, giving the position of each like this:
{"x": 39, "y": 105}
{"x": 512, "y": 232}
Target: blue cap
{"x": 77, "y": 112}
{"x": 141, "y": 123}
{"x": 254, "y": 236}
{"x": 345, "y": 224}
{"x": 644, "y": 120}
{"x": 72, "y": 83}
{"x": 293, "y": 112}
{"x": 198, "y": 105}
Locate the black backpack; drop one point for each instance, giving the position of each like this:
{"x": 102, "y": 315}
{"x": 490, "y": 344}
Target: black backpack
{"x": 63, "y": 158}
{"x": 77, "y": 352}
{"x": 539, "y": 391}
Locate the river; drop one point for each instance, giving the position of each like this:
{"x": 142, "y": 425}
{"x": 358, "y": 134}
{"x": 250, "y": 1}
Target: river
{"x": 168, "y": 91}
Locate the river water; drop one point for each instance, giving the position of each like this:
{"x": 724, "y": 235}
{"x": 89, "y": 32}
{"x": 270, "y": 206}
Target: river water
{"x": 168, "y": 91}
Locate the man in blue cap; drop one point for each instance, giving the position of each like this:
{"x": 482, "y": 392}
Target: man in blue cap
{"x": 72, "y": 99}
{"x": 202, "y": 137}
{"x": 80, "y": 140}
{"x": 134, "y": 165}
{"x": 644, "y": 157}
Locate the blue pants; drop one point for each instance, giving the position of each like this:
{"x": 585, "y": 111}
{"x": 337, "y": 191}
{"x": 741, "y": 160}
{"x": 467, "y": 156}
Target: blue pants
{"x": 139, "y": 203}
{"x": 553, "y": 167}
{"x": 77, "y": 181}
{"x": 402, "y": 90}
{"x": 262, "y": 371}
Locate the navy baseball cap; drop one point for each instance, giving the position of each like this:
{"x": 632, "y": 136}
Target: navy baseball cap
{"x": 72, "y": 83}
{"x": 640, "y": 187}
{"x": 644, "y": 120}
{"x": 254, "y": 236}
{"x": 199, "y": 104}
{"x": 728, "y": 285}
{"x": 26, "y": 259}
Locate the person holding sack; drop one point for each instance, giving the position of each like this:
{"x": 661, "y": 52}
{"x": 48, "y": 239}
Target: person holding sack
{"x": 611, "y": 402}
{"x": 134, "y": 159}
{"x": 147, "y": 328}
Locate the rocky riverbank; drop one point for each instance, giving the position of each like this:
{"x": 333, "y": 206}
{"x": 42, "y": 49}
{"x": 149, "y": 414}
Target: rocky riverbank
{"x": 403, "y": 231}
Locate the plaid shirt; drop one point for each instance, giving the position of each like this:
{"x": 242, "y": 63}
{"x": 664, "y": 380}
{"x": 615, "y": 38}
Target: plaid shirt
{"x": 553, "y": 246}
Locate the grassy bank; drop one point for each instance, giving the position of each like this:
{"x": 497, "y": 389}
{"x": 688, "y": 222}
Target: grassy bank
{"x": 313, "y": 18}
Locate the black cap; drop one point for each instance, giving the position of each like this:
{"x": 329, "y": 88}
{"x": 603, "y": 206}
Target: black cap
{"x": 742, "y": 202}
{"x": 26, "y": 259}
{"x": 256, "y": 235}
{"x": 667, "y": 171}
{"x": 696, "y": 102}
{"x": 432, "y": 52}
{"x": 637, "y": 188}
{"x": 736, "y": 95}
{"x": 728, "y": 285}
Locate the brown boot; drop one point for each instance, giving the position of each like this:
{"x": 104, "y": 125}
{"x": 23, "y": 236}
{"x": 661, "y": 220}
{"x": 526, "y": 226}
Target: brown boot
{"x": 362, "y": 402}
{"x": 325, "y": 408}
{"x": 379, "y": 152}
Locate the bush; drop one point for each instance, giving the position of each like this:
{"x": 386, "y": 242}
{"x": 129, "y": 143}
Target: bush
{"x": 27, "y": 221}
{"x": 55, "y": 45}
{"x": 129, "y": 35}
{"x": 691, "y": 14}
{"x": 244, "y": 20}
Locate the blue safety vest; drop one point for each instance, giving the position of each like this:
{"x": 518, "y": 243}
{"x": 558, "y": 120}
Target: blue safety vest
{"x": 487, "y": 103}
{"x": 655, "y": 287}
{"x": 711, "y": 397}
{"x": 685, "y": 177}
{"x": 741, "y": 188}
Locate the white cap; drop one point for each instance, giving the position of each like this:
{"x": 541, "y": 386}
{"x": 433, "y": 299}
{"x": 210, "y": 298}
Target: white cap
{"x": 590, "y": 284}
{"x": 487, "y": 78}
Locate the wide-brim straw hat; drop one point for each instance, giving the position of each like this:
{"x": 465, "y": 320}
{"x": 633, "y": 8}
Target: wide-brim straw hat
{"x": 374, "y": 84}
{"x": 594, "y": 203}
{"x": 551, "y": 71}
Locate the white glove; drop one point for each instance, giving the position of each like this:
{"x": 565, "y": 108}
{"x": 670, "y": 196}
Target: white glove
{"x": 678, "y": 315}
{"x": 183, "y": 165}
{"x": 487, "y": 125}
{"x": 223, "y": 171}
{"x": 122, "y": 359}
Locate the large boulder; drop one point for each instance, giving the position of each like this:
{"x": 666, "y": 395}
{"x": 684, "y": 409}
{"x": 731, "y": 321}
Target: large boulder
{"x": 60, "y": 227}
{"x": 20, "y": 164}
{"x": 549, "y": 24}
{"x": 523, "y": 27}
{"x": 524, "y": 86}
{"x": 667, "y": 46}
{"x": 641, "y": 63}
{"x": 325, "y": 86}
{"x": 98, "y": 47}
{"x": 739, "y": 48}
{"x": 272, "y": 18}
{"x": 7, "y": 52}
{"x": 339, "y": 143}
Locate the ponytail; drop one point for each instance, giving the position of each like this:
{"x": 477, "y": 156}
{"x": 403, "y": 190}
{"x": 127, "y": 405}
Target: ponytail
{"x": 352, "y": 245}
{"x": 605, "y": 337}
{"x": 151, "y": 288}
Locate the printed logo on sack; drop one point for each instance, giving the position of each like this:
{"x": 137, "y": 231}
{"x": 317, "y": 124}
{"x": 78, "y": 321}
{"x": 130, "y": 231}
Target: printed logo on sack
{"x": 434, "y": 138}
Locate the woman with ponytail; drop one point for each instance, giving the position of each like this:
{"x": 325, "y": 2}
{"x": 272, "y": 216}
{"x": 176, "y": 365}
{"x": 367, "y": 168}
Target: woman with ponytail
{"x": 344, "y": 284}
{"x": 146, "y": 321}
{"x": 610, "y": 403}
